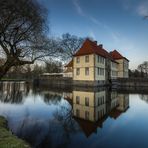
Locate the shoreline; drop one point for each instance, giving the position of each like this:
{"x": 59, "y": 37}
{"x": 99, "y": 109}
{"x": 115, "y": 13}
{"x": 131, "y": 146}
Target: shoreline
{"x": 7, "y": 139}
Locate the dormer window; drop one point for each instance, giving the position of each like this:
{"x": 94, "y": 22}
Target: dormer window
{"x": 87, "y": 58}
{"x": 78, "y": 59}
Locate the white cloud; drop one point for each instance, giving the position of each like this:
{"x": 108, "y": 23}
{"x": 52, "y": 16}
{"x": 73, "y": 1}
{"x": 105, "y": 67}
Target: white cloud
{"x": 78, "y": 7}
{"x": 142, "y": 9}
{"x": 95, "y": 21}
{"x": 92, "y": 34}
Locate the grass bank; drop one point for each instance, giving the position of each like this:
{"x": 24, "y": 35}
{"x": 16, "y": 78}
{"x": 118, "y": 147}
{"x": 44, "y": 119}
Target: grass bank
{"x": 7, "y": 139}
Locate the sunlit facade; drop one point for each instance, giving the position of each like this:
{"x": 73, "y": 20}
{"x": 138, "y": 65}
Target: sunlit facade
{"x": 93, "y": 64}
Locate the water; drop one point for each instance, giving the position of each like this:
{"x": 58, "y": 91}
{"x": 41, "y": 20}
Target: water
{"x": 79, "y": 118}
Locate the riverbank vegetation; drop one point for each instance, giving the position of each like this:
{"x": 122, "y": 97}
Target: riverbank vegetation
{"x": 7, "y": 139}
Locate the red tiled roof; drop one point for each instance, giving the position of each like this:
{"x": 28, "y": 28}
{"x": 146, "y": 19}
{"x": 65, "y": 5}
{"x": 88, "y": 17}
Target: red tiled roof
{"x": 116, "y": 55}
{"x": 90, "y": 47}
{"x": 70, "y": 64}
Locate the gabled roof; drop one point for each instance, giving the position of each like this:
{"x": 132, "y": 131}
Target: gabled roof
{"x": 116, "y": 55}
{"x": 91, "y": 47}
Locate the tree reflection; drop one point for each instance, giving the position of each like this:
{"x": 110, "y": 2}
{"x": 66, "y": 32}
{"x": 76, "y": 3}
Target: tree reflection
{"x": 51, "y": 132}
{"x": 144, "y": 97}
{"x": 13, "y": 92}
{"x": 51, "y": 98}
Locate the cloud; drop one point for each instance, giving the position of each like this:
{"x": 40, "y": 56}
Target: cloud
{"x": 113, "y": 34}
{"x": 92, "y": 34}
{"x": 95, "y": 21}
{"x": 142, "y": 9}
{"x": 78, "y": 7}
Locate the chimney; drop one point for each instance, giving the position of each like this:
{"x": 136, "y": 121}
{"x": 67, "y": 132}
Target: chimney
{"x": 101, "y": 45}
{"x": 95, "y": 42}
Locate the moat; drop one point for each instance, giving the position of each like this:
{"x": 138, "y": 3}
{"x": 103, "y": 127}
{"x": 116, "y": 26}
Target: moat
{"x": 80, "y": 117}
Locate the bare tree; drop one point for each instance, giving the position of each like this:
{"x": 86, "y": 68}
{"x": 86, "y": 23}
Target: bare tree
{"x": 23, "y": 32}
{"x": 143, "y": 68}
{"x": 70, "y": 44}
{"x": 53, "y": 66}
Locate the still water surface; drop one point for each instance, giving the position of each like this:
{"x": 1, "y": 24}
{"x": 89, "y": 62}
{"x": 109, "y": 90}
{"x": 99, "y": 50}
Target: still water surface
{"x": 78, "y": 118}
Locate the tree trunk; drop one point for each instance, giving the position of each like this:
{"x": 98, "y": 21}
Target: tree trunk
{"x": 6, "y": 67}
{"x": 3, "y": 71}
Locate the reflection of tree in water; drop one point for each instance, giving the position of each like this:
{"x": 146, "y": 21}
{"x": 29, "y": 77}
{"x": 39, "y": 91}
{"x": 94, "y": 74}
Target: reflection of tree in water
{"x": 53, "y": 132}
{"x": 13, "y": 92}
{"x": 52, "y": 99}
{"x": 65, "y": 116}
{"x": 144, "y": 97}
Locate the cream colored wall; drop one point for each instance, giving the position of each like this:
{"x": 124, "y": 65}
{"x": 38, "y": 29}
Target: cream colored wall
{"x": 81, "y": 107}
{"x": 83, "y": 110}
{"x": 123, "y": 102}
{"x": 82, "y": 65}
{"x": 93, "y": 66}
{"x": 122, "y": 70}
{"x": 82, "y": 96}
{"x": 93, "y": 107}
{"x": 82, "y": 75}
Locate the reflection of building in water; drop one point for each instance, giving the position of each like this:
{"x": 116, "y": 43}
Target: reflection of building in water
{"x": 123, "y": 102}
{"x": 122, "y": 106}
{"x": 13, "y": 92}
{"x": 90, "y": 109}
{"x": 89, "y": 105}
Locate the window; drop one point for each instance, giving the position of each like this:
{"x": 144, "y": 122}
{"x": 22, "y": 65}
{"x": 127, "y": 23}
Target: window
{"x": 78, "y": 71}
{"x": 86, "y": 101}
{"x": 101, "y": 59}
{"x": 98, "y": 59}
{"x": 87, "y": 58}
{"x": 78, "y": 59}
{"x": 114, "y": 73}
{"x": 101, "y": 100}
{"x": 86, "y": 71}
{"x": 77, "y": 113}
{"x": 77, "y": 100}
{"x": 101, "y": 71}
{"x": 86, "y": 115}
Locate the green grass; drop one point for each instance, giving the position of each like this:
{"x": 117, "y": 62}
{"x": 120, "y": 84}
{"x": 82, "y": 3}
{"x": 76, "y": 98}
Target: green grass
{"x": 7, "y": 140}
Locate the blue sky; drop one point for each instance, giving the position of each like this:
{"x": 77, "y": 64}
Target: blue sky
{"x": 117, "y": 24}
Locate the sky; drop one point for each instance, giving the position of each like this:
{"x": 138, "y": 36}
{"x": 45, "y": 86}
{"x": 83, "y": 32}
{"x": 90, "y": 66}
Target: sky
{"x": 117, "y": 24}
